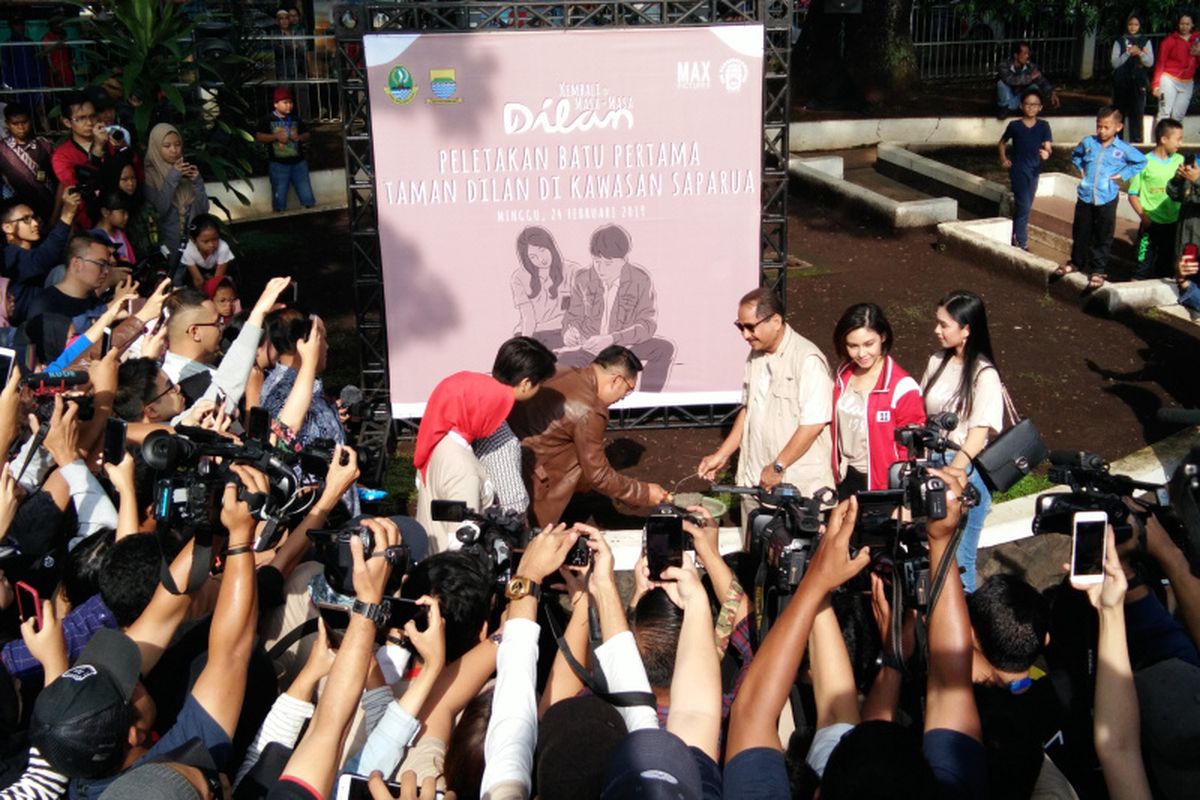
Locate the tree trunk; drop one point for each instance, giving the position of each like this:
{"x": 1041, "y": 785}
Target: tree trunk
{"x": 877, "y": 58}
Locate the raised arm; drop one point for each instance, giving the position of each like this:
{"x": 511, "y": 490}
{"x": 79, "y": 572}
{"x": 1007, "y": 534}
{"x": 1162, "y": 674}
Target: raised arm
{"x": 695, "y": 715}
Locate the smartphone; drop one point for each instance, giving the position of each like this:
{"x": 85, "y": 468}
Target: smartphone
{"x": 354, "y": 787}
{"x": 400, "y": 611}
{"x": 1190, "y": 251}
{"x": 1189, "y": 160}
{"x": 337, "y": 619}
{"x": 29, "y": 603}
{"x": 448, "y": 510}
{"x": 258, "y": 424}
{"x": 664, "y": 543}
{"x": 105, "y": 342}
{"x": 295, "y": 291}
{"x": 8, "y": 357}
{"x": 114, "y": 440}
{"x": 580, "y": 555}
{"x": 1087, "y": 546}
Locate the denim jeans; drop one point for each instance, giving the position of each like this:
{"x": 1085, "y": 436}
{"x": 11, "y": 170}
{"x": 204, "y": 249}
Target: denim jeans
{"x": 1024, "y": 186}
{"x": 1007, "y": 97}
{"x": 967, "y": 545}
{"x": 284, "y": 176}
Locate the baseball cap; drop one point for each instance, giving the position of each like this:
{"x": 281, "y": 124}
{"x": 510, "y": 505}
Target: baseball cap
{"x": 653, "y": 763}
{"x": 1169, "y": 702}
{"x": 576, "y": 739}
{"x": 281, "y": 93}
{"x": 81, "y": 721}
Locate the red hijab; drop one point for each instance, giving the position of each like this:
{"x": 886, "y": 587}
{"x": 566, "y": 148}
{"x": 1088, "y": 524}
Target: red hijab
{"x": 470, "y": 403}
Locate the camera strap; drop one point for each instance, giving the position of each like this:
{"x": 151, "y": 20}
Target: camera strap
{"x": 201, "y": 563}
{"x": 595, "y": 681}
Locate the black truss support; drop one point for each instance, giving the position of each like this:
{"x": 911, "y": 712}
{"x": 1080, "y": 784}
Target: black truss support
{"x": 353, "y": 21}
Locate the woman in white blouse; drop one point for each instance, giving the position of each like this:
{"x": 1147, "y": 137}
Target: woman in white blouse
{"x": 541, "y": 288}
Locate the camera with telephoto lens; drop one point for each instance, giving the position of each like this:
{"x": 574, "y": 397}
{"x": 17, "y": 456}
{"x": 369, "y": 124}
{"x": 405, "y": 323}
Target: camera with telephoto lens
{"x": 332, "y": 547}
{"x": 495, "y": 534}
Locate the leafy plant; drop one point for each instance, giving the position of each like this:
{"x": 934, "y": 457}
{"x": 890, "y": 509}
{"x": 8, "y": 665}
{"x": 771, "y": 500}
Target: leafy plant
{"x": 150, "y": 47}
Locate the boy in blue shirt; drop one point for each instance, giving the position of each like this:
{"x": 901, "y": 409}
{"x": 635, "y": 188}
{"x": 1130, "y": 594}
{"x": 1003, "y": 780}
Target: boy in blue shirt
{"x": 1102, "y": 160}
{"x": 1031, "y": 141}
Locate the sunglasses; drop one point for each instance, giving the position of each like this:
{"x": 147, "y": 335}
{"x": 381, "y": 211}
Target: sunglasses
{"x": 748, "y": 327}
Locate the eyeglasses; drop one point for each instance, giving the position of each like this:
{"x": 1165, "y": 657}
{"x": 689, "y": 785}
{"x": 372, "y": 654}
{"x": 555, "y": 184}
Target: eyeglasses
{"x": 748, "y": 327}
{"x": 629, "y": 385}
{"x": 171, "y": 387}
{"x": 216, "y": 324}
{"x": 100, "y": 264}
{"x": 84, "y": 118}
{"x": 26, "y": 218}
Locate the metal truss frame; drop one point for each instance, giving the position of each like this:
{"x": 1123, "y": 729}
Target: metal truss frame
{"x": 354, "y": 20}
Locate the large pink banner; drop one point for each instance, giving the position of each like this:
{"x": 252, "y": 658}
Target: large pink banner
{"x": 582, "y": 187}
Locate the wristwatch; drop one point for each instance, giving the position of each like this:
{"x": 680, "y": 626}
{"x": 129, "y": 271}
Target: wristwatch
{"x": 376, "y": 612}
{"x": 778, "y": 468}
{"x": 520, "y": 587}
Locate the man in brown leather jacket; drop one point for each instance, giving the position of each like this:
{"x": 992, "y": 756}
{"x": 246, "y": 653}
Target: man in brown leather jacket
{"x": 562, "y": 433}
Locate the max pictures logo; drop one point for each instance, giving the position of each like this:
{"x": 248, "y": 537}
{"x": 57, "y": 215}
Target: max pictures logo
{"x": 733, "y": 74}
{"x": 400, "y": 86}
{"x": 444, "y": 85}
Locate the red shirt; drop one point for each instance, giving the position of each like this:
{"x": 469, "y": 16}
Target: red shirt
{"x": 67, "y": 156}
{"x": 893, "y": 403}
{"x": 1175, "y": 58}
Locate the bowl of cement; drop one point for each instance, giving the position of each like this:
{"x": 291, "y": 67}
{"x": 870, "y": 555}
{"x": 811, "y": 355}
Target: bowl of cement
{"x": 710, "y": 504}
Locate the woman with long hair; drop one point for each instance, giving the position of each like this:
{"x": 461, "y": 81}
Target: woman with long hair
{"x": 872, "y": 397}
{"x": 541, "y": 287}
{"x": 119, "y": 174}
{"x": 174, "y": 187}
{"x": 962, "y": 378}
{"x": 1132, "y": 57}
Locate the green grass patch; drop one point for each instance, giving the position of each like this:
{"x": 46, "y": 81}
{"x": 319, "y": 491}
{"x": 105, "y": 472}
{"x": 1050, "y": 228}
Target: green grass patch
{"x": 1033, "y": 483}
{"x": 811, "y": 271}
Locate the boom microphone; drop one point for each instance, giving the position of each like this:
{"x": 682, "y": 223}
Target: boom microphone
{"x": 1077, "y": 458}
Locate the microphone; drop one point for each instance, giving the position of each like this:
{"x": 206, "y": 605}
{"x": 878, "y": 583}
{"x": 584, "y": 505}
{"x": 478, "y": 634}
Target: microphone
{"x": 55, "y": 380}
{"x": 946, "y": 420}
{"x": 1179, "y": 416}
{"x": 1077, "y": 458}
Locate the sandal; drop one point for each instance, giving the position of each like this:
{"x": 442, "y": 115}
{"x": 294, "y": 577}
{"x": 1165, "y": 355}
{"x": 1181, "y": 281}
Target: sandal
{"x": 1095, "y": 281}
{"x": 1063, "y": 271}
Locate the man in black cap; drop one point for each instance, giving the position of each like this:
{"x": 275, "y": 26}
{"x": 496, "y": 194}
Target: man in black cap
{"x": 91, "y": 722}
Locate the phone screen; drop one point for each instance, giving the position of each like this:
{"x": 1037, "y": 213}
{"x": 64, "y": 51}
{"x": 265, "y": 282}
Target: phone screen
{"x": 114, "y": 440}
{"x": 105, "y": 342}
{"x": 258, "y": 425}
{"x": 337, "y": 619}
{"x": 448, "y": 510}
{"x": 664, "y": 543}
{"x": 355, "y": 787}
{"x": 7, "y": 359}
{"x": 1089, "y": 548}
{"x": 400, "y": 611}
{"x": 29, "y": 603}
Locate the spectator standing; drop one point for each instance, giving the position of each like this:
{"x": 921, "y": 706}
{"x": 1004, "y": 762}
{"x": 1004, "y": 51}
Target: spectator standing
{"x": 1132, "y": 55}
{"x": 174, "y": 187}
{"x": 291, "y": 58}
{"x": 1175, "y": 69}
{"x": 1158, "y": 212}
{"x": 1031, "y": 141}
{"x": 285, "y": 135}
{"x": 79, "y": 160}
{"x": 120, "y": 175}
{"x": 1017, "y": 75}
{"x": 28, "y": 257}
{"x": 25, "y": 162}
{"x": 58, "y": 54}
{"x": 1102, "y": 161}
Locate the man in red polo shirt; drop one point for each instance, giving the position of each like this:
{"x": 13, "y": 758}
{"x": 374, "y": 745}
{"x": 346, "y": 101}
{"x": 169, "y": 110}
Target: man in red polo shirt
{"x": 87, "y": 147}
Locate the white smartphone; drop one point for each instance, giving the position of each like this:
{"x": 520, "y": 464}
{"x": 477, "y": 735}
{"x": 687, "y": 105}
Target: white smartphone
{"x": 1087, "y": 547}
{"x": 354, "y": 787}
{"x": 8, "y": 358}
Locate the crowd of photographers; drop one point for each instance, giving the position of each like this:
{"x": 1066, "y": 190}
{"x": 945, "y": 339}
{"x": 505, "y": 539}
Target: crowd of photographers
{"x": 193, "y": 605}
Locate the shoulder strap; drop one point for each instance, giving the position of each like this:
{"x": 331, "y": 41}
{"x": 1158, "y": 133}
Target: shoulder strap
{"x": 595, "y": 681}
{"x": 1010, "y": 409}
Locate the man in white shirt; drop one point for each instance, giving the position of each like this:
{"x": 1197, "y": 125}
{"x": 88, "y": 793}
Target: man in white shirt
{"x": 787, "y": 403}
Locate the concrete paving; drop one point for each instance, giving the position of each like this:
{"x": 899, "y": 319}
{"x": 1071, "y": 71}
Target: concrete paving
{"x": 899, "y": 213}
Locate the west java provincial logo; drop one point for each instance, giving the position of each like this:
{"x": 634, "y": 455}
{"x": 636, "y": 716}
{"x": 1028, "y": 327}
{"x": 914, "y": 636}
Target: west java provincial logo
{"x": 400, "y": 86}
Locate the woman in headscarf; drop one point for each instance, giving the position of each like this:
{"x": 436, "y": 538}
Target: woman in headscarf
{"x": 1132, "y": 57}
{"x": 174, "y": 187}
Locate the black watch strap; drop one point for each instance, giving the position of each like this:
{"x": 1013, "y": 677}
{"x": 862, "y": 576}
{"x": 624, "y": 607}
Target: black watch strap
{"x": 376, "y": 612}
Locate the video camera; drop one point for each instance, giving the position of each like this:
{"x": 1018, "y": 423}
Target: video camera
{"x": 495, "y": 534}
{"x": 196, "y": 462}
{"x": 1093, "y": 488}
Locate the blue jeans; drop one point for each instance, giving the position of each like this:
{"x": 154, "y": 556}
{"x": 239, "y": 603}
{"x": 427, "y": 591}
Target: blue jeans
{"x": 967, "y": 545}
{"x": 1024, "y": 186}
{"x": 1006, "y": 97}
{"x": 1190, "y": 297}
{"x": 283, "y": 176}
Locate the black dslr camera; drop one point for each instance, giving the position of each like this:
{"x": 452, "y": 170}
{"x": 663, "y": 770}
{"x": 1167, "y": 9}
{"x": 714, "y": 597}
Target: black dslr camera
{"x": 332, "y": 547}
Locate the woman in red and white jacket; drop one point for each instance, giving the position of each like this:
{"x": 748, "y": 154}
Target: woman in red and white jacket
{"x": 872, "y": 397}
{"x": 1175, "y": 70}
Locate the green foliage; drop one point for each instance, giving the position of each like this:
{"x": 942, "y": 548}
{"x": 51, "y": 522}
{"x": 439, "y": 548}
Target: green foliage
{"x": 148, "y": 45}
{"x": 1103, "y": 15}
{"x": 1033, "y": 483}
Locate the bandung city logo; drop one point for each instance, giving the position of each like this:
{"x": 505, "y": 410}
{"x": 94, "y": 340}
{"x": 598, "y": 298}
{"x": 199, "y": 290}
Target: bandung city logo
{"x": 733, "y": 74}
{"x": 400, "y": 86}
{"x": 444, "y": 85}
{"x": 579, "y": 107}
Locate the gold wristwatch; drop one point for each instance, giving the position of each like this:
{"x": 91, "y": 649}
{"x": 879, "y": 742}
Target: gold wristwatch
{"x": 520, "y": 587}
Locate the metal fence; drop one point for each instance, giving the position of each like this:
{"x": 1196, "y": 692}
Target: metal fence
{"x": 36, "y": 76}
{"x": 954, "y": 45}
